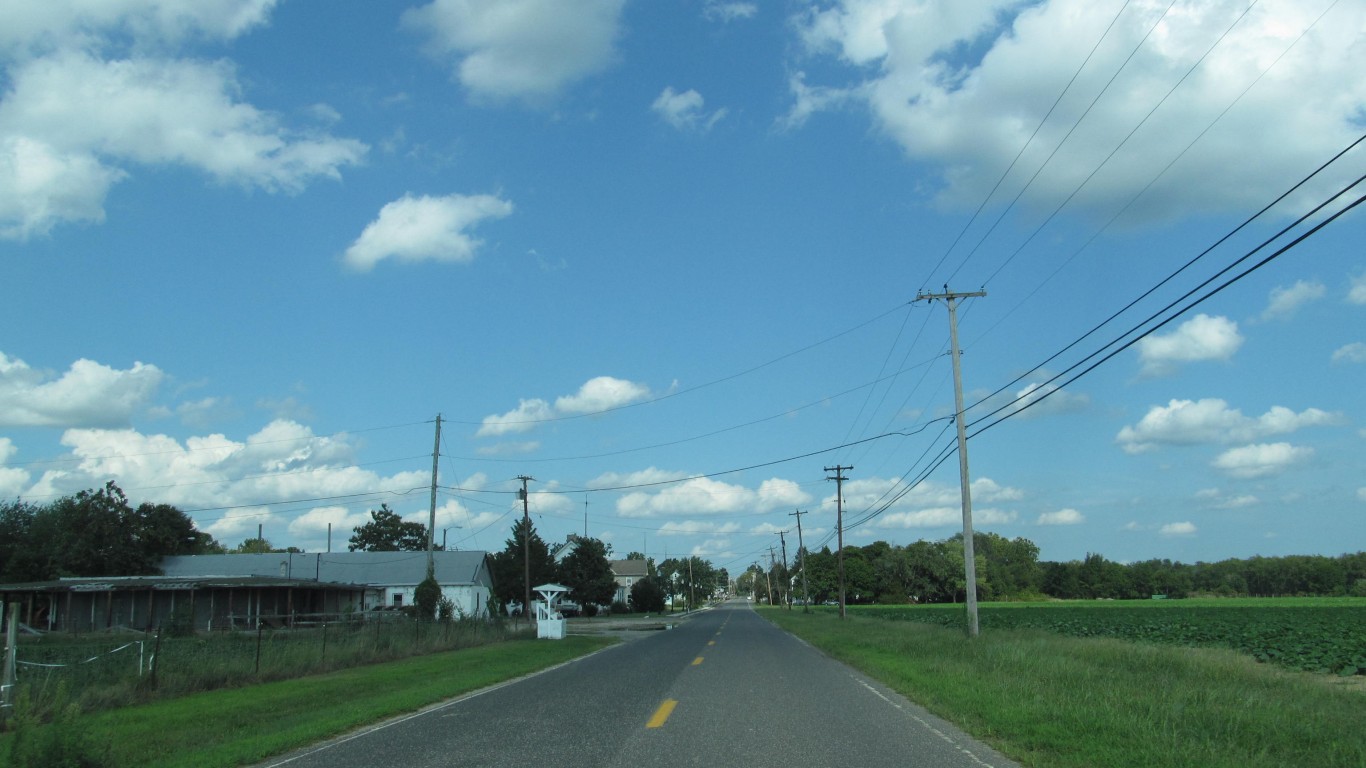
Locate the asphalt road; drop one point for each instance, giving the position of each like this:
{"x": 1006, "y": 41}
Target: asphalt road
{"x": 722, "y": 688}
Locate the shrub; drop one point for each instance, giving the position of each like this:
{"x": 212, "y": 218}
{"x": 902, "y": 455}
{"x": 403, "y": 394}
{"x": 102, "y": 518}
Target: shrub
{"x": 620, "y": 607}
{"x": 62, "y": 743}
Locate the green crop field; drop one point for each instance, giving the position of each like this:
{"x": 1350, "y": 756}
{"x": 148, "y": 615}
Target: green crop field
{"x": 1311, "y": 634}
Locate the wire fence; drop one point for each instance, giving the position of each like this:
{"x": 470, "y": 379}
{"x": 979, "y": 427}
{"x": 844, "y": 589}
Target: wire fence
{"x": 113, "y": 670}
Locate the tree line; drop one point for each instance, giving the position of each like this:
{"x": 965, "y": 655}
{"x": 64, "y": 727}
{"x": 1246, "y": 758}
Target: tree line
{"x": 1010, "y": 569}
{"x": 587, "y": 571}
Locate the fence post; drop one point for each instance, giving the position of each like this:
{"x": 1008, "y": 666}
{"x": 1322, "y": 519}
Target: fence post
{"x": 258, "y": 644}
{"x": 156, "y": 660}
{"x": 11, "y": 641}
{"x": 324, "y": 642}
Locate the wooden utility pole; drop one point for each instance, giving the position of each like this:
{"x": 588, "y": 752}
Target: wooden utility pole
{"x": 526, "y": 547}
{"x": 769, "y": 574}
{"x": 431, "y": 520}
{"x": 787, "y": 599}
{"x": 801, "y": 554}
{"x": 839, "y": 479}
{"x": 969, "y": 556}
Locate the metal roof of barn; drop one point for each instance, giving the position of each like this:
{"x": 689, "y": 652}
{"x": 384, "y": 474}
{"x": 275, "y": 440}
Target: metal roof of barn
{"x": 370, "y": 568}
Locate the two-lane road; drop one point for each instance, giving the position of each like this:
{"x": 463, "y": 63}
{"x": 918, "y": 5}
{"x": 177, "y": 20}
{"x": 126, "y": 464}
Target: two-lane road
{"x": 723, "y": 688}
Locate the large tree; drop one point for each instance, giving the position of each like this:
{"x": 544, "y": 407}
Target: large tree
{"x": 588, "y": 574}
{"x": 387, "y": 532}
{"x": 509, "y": 567}
{"x": 94, "y": 533}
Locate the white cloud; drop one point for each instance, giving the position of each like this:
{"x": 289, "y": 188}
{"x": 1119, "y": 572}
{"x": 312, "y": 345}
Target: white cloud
{"x": 88, "y": 394}
{"x": 597, "y": 395}
{"x": 941, "y": 517}
{"x": 68, "y": 23}
{"x": 521, "y": 419}
{"x": 1361, "y": 493}
{"x": 717, "y": 10}
{"x": 601, "y": 394}
{"x": 1178, "y": 529}
{"x": 1210, "y": 420}
{"x": 425, "y": 229}
{"x": 684, "y": 110}
{"x": 1039, "y": 399}
{"x": 1357, "y": 293}
{"x": 690, "y": 527}
{"x": 1198, "y": 339}
{"x": 1285, "y": 302}
{"x": 705, "y": 496}
{"x": 12, "y": 479}
{"x": 963, "y": 85}
{"x": 1350, "y": 353}
{"x": 520, "y": 49}
{"x": 1061, "y": 517}
{"x": 71, "y": 122}
{"x": 643, "y": 477}
{"x": 1261, "y": 459}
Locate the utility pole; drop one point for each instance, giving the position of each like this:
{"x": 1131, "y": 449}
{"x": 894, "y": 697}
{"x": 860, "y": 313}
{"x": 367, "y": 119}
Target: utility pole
{"x": 431, "y": 520}
{"x": 788, "y": 599}
{"x": 768, "y": 575}
{"x": 969, "y": 556}
{"x": 526, "y": 548}
{"x": 839, "y": 479}
{"x": 801, "y": 551}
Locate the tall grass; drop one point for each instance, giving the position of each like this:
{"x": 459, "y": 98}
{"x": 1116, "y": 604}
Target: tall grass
{"x": 113, "y": 670}
{"x": 1061, "y": 702}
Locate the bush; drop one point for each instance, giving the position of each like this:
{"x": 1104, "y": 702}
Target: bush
{"x": 62, "y": 743}
{"x": 590, "y": 610}
{"x": 620, "y": 607}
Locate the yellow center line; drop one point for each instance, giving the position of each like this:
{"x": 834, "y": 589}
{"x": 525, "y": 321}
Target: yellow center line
{"x": 697, "y": 661}
{"x": 711, "y": 642}
{"x": 662, "y": 713}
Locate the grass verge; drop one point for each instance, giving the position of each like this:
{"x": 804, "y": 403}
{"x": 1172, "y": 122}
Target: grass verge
{"x": 246, "y": 725}
{"x": 1051, "y": 701}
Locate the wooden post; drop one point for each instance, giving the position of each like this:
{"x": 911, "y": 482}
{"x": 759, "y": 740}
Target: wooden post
{"x": 156, "y": 659}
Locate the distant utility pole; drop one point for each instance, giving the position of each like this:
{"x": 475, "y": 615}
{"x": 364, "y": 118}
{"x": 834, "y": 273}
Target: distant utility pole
{"x": 787, "y": 599}
{"x": 431, "y": 520}
{"x": 526, "y": 547}
{"x": 839, "y": 479}
{"x": 769, "y": 575}
{"x": 969, "y": 557}
{"x": 801, "y": 554}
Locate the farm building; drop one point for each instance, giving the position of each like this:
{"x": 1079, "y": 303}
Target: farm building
{"x": 235, "y": 591}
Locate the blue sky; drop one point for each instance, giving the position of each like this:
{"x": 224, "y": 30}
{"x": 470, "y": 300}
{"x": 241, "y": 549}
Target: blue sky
{"x": 663, "y": 258}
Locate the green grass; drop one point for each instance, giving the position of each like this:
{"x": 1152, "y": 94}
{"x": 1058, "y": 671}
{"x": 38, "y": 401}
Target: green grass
{"x": 246, "y": 725}
{"x": 1051, "y": 701}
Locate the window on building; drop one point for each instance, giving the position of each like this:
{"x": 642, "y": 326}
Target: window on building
{"x": 398, "y": 599}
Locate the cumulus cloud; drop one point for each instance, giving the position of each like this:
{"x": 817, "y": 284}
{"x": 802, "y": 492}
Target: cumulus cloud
{"x": 12, "y": 479}
{"x": 1061, "y": 517}
{"x": 520, "y": 419}
{"x": 1261, "y": 459}
{"x": 1286, "y": 301}
{"x": 234, "y": 484}
{"x": 684, "y": 111}
{"x": 520, "y": 49}
{"x": 1198, "y": 339}
{"x": 89, "y": 394}
{"x": 1178, "y": 529}
{"x": 962, "y": 86}
{"x": 1039, "y": 399}
{"x": 75, "y": 116}
{"x": 705, "y": 496}
{"x": 599, "y": 394}
{"x": 941, "y": 517}
{"x": 1210, "y": 420}
{"x": 1356, "y": 294}
{"x": 648, "y": 476}
{"x": 425, "y": 228}
{"x": 1350, "y": 353}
